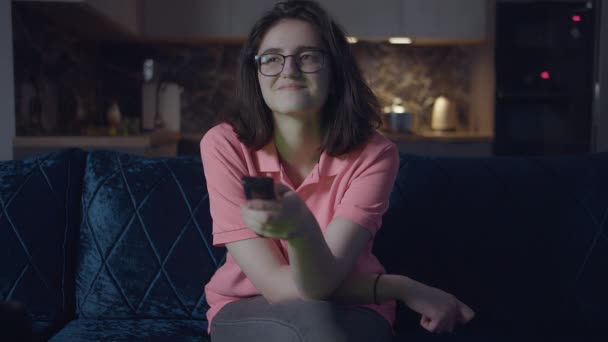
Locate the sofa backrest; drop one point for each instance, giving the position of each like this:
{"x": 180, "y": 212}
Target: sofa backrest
{"x": 39, "y": 218}
{"x": 145, "y": 240}
{"x": 524, "y": 241}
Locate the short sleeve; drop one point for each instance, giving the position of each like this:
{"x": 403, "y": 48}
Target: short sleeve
{"x": 367, "y": 197}
{"x": 224, "y": 165}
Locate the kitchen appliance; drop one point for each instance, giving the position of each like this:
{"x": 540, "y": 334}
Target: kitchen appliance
{"x": 444, "y": 116}
{"x": 399, "y": 118}
{"x": 161, "y": 99}
{"x": 167, "y": 96}
{"x": 545, "y": 57}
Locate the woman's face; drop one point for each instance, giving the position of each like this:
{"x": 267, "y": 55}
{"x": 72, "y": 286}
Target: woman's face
{"x": 292, "y": 91}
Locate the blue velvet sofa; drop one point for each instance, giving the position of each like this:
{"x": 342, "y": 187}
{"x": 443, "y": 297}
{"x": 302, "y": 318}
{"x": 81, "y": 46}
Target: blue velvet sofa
{"x": 104, "y": 246}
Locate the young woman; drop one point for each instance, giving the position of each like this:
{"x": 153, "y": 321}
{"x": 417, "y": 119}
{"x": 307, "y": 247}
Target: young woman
{"x": 300, "y": 267}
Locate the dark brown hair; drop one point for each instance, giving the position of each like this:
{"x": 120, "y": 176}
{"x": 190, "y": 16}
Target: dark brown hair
{"x": 351, "y": 112}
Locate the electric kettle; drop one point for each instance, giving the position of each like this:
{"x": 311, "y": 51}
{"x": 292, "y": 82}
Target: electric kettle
{"x": 445, "y": 115}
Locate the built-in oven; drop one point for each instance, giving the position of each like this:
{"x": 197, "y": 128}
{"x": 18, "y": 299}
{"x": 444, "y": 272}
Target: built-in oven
{"x": 544, "y": 77}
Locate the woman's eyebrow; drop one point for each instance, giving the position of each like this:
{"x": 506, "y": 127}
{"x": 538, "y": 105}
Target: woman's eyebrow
{"x": 272, "y": 50}
{"x": 299, "y": 48}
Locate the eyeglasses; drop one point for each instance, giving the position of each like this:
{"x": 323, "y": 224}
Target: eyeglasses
{"x": 308, "y": 62}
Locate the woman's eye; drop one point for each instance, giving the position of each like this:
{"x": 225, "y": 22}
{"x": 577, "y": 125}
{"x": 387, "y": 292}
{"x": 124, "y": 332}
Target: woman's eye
{"x": 270, "y": 59}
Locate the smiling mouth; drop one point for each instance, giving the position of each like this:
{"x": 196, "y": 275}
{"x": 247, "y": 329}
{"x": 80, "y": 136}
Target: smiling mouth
{"x": 291, "y": 87}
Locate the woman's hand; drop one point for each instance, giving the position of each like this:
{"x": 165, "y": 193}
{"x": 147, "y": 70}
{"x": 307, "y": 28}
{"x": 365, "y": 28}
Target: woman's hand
{"x": 284, "y": 218}
{"x": 440, "y": 311}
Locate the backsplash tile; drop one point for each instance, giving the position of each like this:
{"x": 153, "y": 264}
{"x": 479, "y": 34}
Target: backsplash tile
{"x": 417, "y": 74}
{"x": 65, "y": 84}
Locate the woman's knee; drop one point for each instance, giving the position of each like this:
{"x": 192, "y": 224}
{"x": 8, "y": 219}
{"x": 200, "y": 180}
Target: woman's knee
{"x": 299, "y": 321}
{"x": 254, "y": 330}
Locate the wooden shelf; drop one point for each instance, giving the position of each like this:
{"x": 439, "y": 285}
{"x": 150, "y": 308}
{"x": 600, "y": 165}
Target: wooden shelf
{"x": 439, "y": 136}
{"x": 144, "y": 140}
{"x": 78, "y": 141}
{"x": 154, "y": 144}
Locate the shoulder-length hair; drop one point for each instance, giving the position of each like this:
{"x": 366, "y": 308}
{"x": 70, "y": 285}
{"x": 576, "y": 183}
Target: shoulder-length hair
{"x": 351, "y": 112}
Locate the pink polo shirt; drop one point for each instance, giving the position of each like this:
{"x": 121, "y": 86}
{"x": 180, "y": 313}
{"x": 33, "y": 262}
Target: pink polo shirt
{"x": 355, "y": 187}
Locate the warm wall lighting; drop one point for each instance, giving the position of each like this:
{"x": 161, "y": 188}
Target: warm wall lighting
{"x": 352, "y": 40}
{"x": 400, "y": 40}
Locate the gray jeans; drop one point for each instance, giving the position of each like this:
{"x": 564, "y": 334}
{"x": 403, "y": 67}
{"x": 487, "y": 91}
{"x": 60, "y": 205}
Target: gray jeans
{"x": 254, "y": 319}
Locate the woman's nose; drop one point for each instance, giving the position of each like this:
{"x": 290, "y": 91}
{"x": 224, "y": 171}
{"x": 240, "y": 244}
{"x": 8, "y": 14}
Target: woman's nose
{"x": 290, "y": 67}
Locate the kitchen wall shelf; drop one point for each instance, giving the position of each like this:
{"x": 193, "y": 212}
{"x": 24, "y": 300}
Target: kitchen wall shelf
{"x": 156, "y": 144}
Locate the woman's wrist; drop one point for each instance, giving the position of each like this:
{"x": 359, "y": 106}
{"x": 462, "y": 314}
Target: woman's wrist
{"x": 410, "y": 291}
{"x": 395, "y": 287}
{"x": 390, "y": 287}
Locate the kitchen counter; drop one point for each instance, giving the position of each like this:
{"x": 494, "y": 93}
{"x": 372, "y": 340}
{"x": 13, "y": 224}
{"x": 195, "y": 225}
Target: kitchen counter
{"x": 437, "y": 143}
{"x": 427, "y": 142}
{"x": 425, "y": 135}
{"x": 158, "y": 143}
{"x": 439, "y": 136}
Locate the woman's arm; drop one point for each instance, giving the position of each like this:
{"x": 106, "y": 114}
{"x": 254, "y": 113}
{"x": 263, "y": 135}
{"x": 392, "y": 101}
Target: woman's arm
{"x": 439, "y": 310}
{"x": 314, "y": 273}
{"x": 321, "y": 260}
{"x": 319, "y": 263}
{"x": 358, "y": 288}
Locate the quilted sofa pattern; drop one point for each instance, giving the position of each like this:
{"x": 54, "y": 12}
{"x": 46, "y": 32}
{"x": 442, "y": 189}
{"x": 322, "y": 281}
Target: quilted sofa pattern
{"x": 522, "y": 240}
{"x": 145, "y": 247}
{"x": 39, "y": 217}
{"x": 134, "y": 330}
{"x": 108, "y": 246}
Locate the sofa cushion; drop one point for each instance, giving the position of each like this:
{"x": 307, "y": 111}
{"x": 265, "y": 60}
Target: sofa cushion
{"x": 521, "y": 240}
{"x": 145, "y": 247}
{"x": 39, "y": 218}
{"x": 133, "y": 330}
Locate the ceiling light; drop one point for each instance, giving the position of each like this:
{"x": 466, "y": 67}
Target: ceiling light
{"x": 400, "y": 40}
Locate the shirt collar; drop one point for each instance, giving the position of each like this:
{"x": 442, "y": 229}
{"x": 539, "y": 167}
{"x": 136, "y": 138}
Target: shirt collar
{"x": 268, "y": 161}
{"x": 330, "y": 166}
{"x": 267, "y": 158}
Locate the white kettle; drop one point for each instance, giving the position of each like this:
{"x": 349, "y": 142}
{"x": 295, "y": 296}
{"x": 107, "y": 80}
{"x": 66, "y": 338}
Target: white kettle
{"x": 445, "y": 115}
{"x": 169, "y": 106}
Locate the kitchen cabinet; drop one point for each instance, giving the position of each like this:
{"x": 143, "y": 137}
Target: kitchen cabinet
{"x": 441, "y": 20}
{"x": 93, "y": 19}
{"x": 359, "y": 18}
{"x": 459, "y": 149}
{"x": 449, "y": 144}
{"x": 235, "y": 18}
{"x": 425, "y": 21}
{"x": 446, "y": 149}
{"x": 422, "y": 20}
{"x": 244, "y": 14}
{"x": 124, "y": 13}
{"x": 366, "y": 19}
{"x": 185, "y": 19}
{"x": 412, "y": 147}
{"x": 206, "y": 19}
